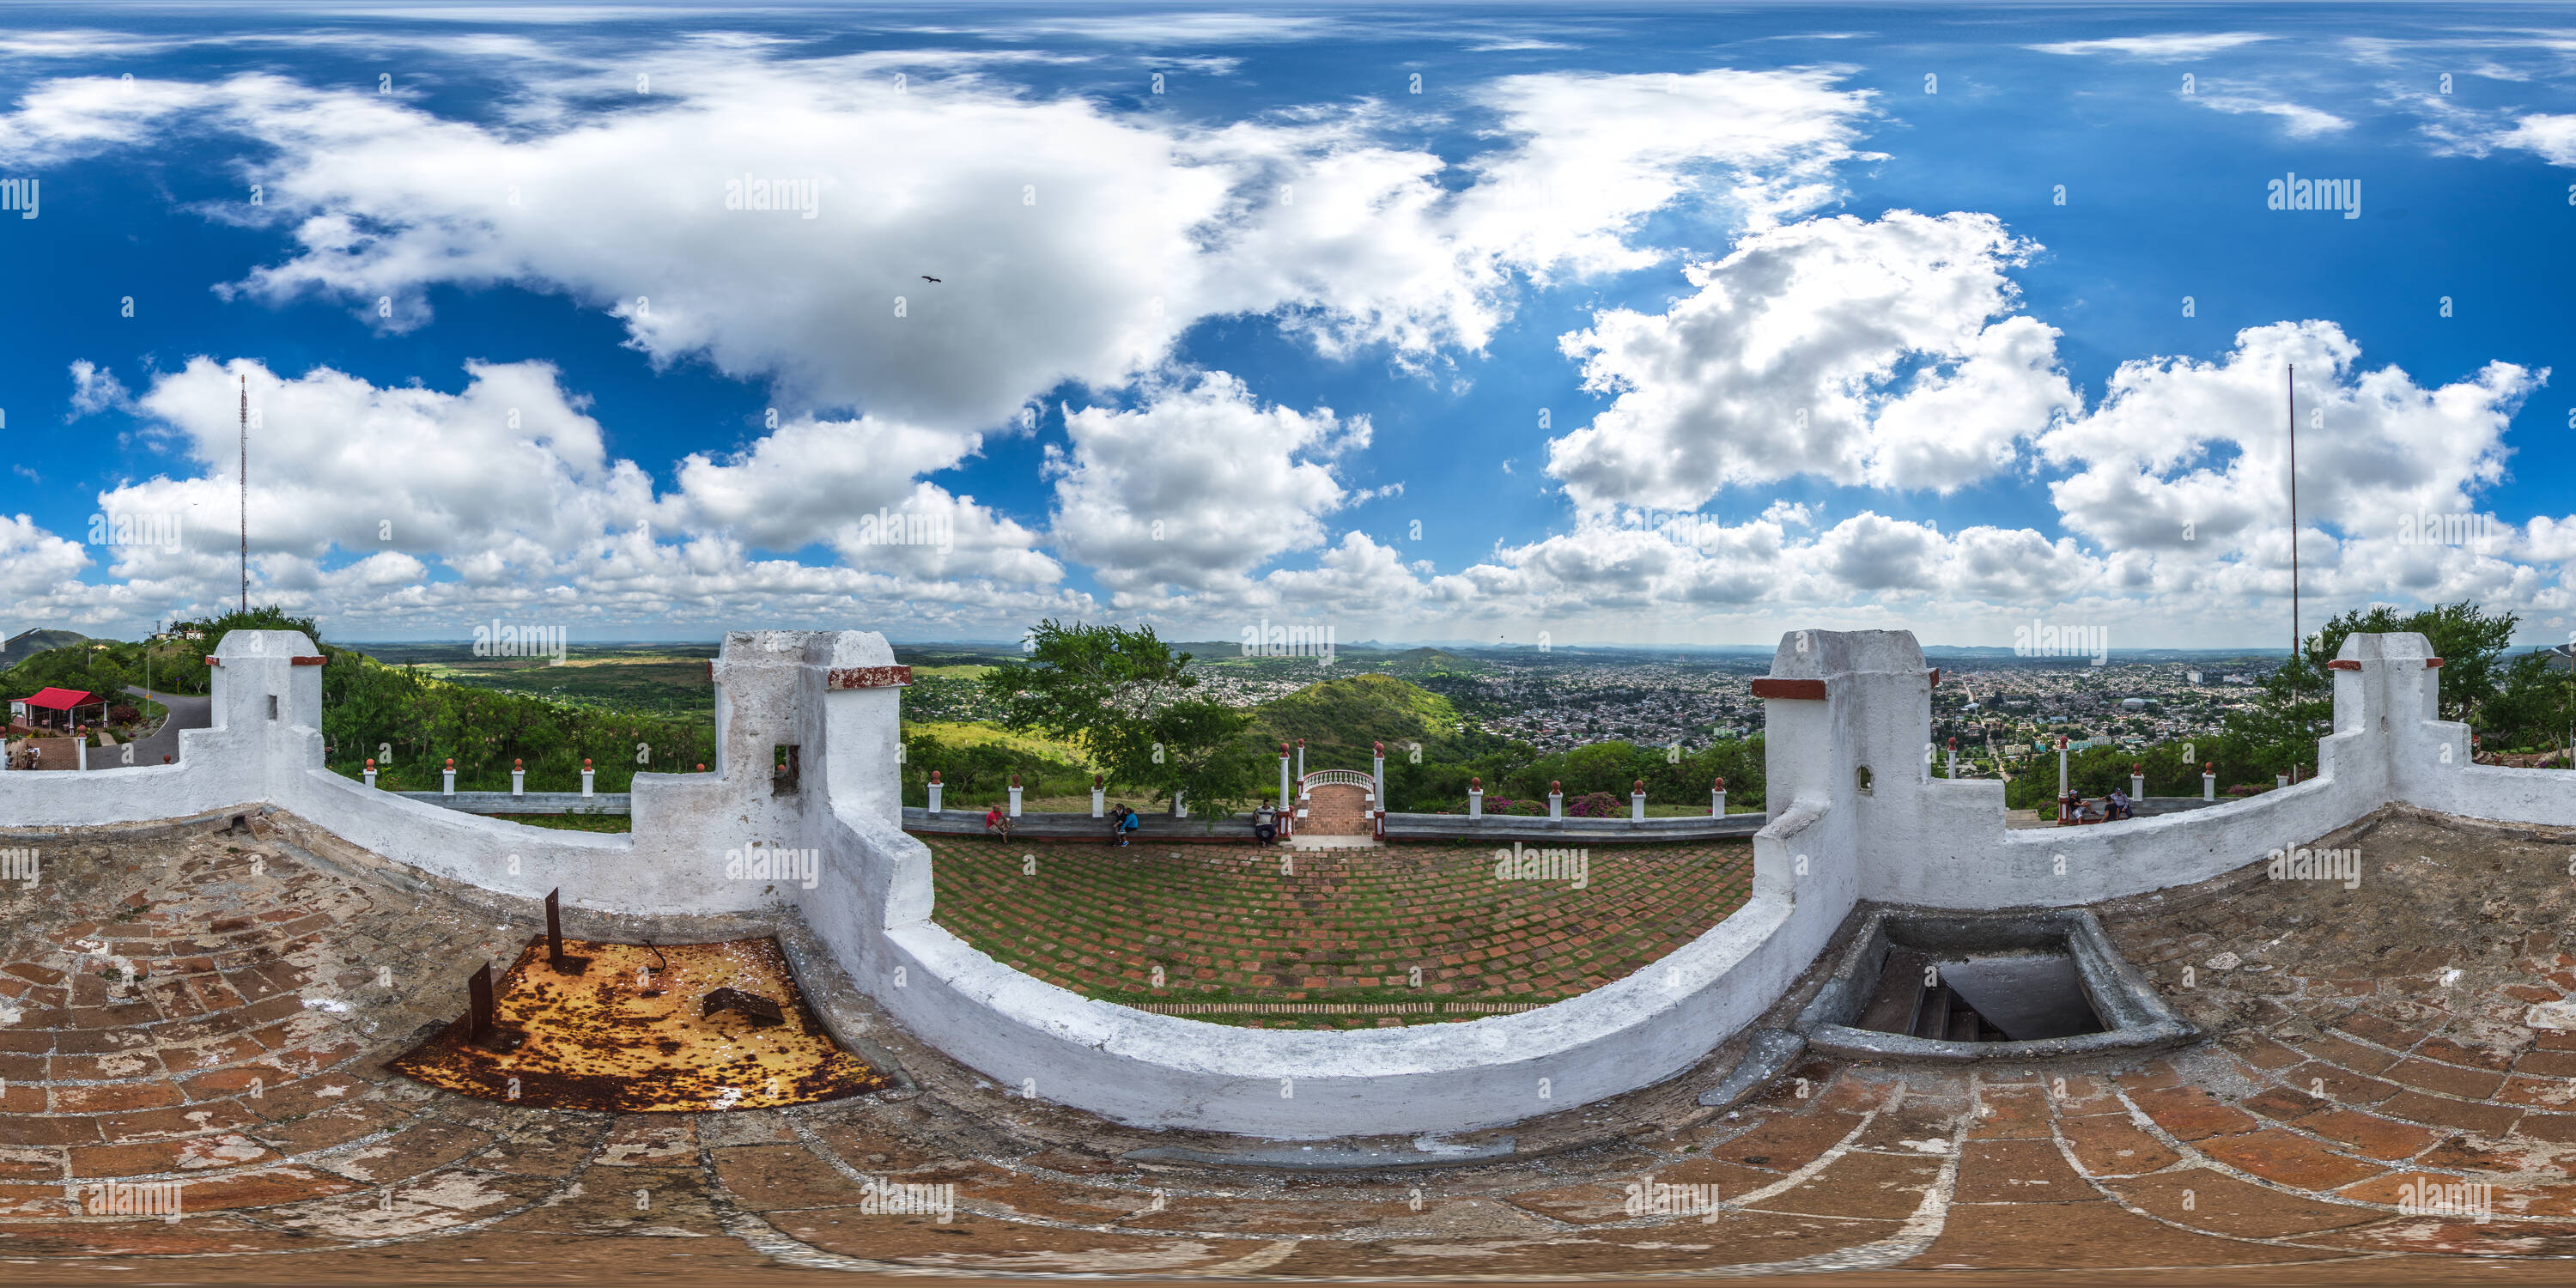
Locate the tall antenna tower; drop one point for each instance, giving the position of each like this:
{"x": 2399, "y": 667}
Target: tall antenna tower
{"x": 2290, "y": 392}
{"x": 245, "y": 494}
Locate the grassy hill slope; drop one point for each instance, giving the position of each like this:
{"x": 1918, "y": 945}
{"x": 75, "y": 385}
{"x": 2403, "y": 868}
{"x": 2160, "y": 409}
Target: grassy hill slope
{"x": 1339, "y": 719}
{"x": 29, "y": 643}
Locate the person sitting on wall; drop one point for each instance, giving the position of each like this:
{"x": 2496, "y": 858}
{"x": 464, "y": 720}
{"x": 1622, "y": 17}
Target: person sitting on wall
{"x": 1265, "y": 824}
{"x": 2119, "y": 803}
{"x": 1128, "y": 822}
{"x": 996, "y": 823}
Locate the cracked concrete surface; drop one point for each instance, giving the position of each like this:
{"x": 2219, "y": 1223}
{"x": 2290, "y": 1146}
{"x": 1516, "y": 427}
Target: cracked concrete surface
{"x": 212, "y": 1010}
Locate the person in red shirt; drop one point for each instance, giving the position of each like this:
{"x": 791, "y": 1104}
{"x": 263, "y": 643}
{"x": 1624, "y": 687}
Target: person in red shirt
{"x": 995, "y": 824}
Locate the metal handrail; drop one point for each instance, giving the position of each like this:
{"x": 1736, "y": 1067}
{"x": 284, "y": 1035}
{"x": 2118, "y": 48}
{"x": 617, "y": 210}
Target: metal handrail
{"x": 1337, "y": 777}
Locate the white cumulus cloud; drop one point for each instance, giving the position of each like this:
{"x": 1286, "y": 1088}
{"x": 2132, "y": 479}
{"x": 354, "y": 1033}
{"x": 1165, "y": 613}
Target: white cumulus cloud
{"x": 1873, "y": 352}
{"x": 1195, "y": 488}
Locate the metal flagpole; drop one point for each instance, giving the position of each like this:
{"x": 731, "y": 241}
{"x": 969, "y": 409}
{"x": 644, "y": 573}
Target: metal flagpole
{"x": 245, "y": 494}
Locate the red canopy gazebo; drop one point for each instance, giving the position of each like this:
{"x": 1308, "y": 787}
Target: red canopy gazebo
{"x": 51, "y": 701}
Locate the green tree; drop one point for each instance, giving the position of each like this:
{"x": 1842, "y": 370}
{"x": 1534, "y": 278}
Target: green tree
{"x": 2296, "y": 708}
{"x": 2534, "y": 707}
{"x": 1127, "y": 700}
{"x": 973, "y": 774}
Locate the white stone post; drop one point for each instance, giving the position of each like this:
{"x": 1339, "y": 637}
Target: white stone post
{"x": 1475, "y": 798}
{"x": 586, "y": 773}
{"x": 1555, "y": 800}
{"x": 1180, "y": 807}
{"x": 1301, "y": 760}
{"x": 1283, "y": 780}
{"x": 1637, "y": 802}
{"x": 518, "y": 777}
{"x": 1015, "y": 796}
{"x": 371, "y": 771}
{"x": 2280, "y": 780}
{"x": 80, "y": 749}
{"x": 2061, "y": 778}
{"x": 934, "y": 792}
{"x": 2209, "y": 781}
{"x": 1717, "y": 800}
{"x": 1099, "y": 798}
{"x": 1377, "y": 778}
{"x": 1954, "y": 760}
{"x": 449, "y": 786}
{"x": 2137, "y": 783}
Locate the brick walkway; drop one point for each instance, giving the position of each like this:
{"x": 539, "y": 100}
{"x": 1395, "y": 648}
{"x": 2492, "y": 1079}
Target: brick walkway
{"x": 2351, "y": 1073}
{"x": 1338, "y": 809}
{"x": 1224, "y": 923}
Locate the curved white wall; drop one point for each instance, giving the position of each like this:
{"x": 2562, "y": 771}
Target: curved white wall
{"x": 1910, "y": 838}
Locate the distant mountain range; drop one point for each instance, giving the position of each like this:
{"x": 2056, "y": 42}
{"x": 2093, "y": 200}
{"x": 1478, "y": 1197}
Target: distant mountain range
{"x": 1220, "y": 649}
{"x": 28, "y": 644}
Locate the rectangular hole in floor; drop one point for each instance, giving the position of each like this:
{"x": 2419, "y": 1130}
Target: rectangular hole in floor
{"x": 1999, "y": 997}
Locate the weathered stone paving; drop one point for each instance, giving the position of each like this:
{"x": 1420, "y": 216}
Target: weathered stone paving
{"x": 214, "y": 1009}
{"x": 1225, "y": 922}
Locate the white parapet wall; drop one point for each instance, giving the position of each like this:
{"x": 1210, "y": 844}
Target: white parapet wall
{"x": 255, "y": 713}
{"x": 1943, "y": 843}
{"x": 875, "y": 903}
{"x": 1854, "y": 814}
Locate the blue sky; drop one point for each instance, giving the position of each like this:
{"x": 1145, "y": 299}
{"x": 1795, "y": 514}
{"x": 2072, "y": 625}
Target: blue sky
{"x": 1635, "y": 324}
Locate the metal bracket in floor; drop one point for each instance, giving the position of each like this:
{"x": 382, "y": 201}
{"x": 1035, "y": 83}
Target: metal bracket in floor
{"x": 1767, "y": 1058}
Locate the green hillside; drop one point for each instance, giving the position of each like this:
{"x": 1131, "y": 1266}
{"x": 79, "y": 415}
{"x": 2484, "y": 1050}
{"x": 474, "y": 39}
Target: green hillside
{"x": 1339, "y": 719}
{"x": 30, "y": 643}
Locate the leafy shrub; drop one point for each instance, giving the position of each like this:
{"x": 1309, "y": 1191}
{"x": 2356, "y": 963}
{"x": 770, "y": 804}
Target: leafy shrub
{"x": 1596, "y": 805}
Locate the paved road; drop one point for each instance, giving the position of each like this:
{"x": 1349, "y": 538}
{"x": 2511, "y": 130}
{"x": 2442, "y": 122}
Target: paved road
{"x": 185, "y": 713}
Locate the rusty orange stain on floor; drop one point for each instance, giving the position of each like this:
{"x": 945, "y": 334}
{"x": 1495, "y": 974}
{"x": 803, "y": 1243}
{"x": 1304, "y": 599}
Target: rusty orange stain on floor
{"x": 627, "y": 1035}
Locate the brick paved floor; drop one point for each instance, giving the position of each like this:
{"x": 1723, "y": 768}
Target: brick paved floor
{"x": 1338, "y": 809}
{"x": 2350, "y": 1073}
{"x": 1223, "y": 922}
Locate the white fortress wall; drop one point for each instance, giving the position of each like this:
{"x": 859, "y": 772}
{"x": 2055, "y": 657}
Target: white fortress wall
{"x": 1838, "y": 703}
